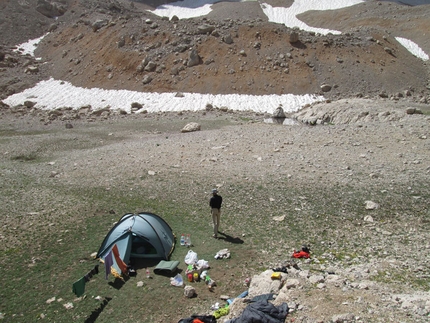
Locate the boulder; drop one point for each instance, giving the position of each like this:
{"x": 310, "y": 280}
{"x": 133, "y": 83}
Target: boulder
{"x": 205, "y": 29}
{"x": 147, "y": 79}
{"x": 50, "y": 9}
{"x": 99, "y": 24}
{"x": 294, "y": 37}
{"x": 228, "y": 39}
{"x": 279, "y": 112}
{"x": 190, "y": 127}
{"x": 193, "y": 58}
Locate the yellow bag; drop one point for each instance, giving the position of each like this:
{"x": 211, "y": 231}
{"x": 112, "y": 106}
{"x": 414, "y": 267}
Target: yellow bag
{"x": 276, "y": 276}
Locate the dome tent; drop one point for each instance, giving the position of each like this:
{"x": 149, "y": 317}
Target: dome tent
{"x": 142, "y": 235}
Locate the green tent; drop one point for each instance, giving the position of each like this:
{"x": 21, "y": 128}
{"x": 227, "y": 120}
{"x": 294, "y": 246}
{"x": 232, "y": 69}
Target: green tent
{"x": 142, "y": 235}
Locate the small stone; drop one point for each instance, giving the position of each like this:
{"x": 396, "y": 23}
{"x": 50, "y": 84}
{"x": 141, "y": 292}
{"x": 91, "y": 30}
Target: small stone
{"x": 68, "y": 306}
{"x": 368, "y": 218}
{"x": 49, "y": 301}
{"x": 325, "y": 88}
{"x": 370, "y": 205}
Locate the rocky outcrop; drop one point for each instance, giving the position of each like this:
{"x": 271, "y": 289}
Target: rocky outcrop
{"x": 51, "y": 9}
{"x": 296, "y": 286}
{"x": 347, "y": 111}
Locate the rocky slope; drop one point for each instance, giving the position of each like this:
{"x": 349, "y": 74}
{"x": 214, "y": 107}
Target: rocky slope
{"x": 121, "y": 45}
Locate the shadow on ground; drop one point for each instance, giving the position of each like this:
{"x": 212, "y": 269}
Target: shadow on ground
{"x": 229, "y": 238}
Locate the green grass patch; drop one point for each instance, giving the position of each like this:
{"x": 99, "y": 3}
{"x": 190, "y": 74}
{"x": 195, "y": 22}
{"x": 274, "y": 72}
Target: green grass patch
{"x": 402, "y": 277}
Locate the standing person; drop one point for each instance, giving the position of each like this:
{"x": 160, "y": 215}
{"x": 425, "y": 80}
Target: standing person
{"x": 215, "y": 204}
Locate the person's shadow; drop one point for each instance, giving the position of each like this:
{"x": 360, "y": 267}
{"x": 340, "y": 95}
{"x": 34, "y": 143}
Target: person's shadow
{"x": 229, "y": 238}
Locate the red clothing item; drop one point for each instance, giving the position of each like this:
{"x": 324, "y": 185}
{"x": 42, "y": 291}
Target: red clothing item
{"x": 121, "y": 264}
{"x": 301, "y": 254}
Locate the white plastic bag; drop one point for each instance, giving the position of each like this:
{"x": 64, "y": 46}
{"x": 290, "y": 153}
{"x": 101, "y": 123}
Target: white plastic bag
{"x": 223, "y": 254}
{"x": 191, "y": 258}
{"x": 202, "y": 264}
{"x": 177, "y": 280}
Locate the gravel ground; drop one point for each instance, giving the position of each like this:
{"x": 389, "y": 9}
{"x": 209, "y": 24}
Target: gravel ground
{"x": 359, "y": 185}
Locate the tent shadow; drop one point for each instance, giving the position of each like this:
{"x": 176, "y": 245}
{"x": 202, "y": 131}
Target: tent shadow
{"x": 95, "y": 314}
{"x": 172, "y": 274}
{"x": 229, "y": 238}
{"x": 140, "y": 263}
{"x": 118, "y": 283}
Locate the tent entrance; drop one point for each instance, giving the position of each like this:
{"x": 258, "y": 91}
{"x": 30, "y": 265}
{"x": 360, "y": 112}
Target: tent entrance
{"x": 142, "y": 248}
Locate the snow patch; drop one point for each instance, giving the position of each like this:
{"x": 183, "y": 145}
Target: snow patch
{"x": 413, "y": 48}
{"x": 30, "y": 46}
{"x": 288, "y": 16}
{"x": 53, "y": 94}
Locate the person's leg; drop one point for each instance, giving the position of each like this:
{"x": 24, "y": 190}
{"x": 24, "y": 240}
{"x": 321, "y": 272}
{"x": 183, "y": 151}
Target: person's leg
{"x": 215, "y": 217}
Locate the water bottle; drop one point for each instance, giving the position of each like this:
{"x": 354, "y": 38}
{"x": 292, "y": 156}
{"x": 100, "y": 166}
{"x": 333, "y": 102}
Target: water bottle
{"x": 209, "y": 282}
{"x": 148, "y": 274}
{"x": 182, "y": 240}
{"x": 188, "y": 240}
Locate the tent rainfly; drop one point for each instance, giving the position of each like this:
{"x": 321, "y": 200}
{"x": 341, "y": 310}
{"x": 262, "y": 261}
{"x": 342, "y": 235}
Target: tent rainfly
{"x": 142, "y": 235}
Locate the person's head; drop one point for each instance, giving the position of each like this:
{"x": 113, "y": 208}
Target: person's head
{"x": 214, "y": 191}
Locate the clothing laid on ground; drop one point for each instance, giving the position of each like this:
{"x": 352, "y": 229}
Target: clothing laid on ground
{"x": 262, "y": 312}
{"x": 202, "y": 318}
{"x": 301, "y": 254}
{"x": 221, "y": 312}
{"x": 282, "y": 269}
{"x": 263, "y": 297}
